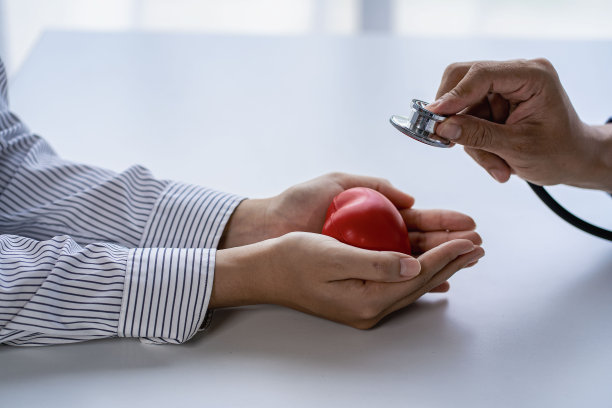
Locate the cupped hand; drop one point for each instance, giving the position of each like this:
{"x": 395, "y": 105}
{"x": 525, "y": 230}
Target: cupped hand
{"x": 515, "y": 117}
{"x": 319, "y": 275}
{"x": 300, "y": 208}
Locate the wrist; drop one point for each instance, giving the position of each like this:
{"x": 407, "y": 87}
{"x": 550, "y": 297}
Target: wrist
{"x": 241, "y": 275}
{"x": 597, "y": 172}
{"x": 247, "y": 224}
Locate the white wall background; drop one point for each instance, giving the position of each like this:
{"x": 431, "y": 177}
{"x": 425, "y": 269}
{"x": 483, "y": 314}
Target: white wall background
{"x": 22, "y": 21}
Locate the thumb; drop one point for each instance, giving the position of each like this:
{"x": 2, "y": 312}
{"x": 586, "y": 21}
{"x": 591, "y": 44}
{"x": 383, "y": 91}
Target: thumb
{"x": 474, "y": 132}
{"x": 378, "y": 266}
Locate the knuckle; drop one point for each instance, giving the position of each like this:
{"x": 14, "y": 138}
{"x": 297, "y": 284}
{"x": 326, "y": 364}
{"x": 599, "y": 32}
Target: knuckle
{"x": 453, "y": 69}
{"x": 521, "y": 62}
{"x": 480, "y": 66}
{"x": 543, "y": 68}
{"x": 477, "y": 66}
{"x": 521, "y": 66}
{"x": 543, "y": 63}
{"x": 418, "y": 240}
{"x": 485, "y": 70}
{"x": 479, "y": 136}
{"x": 450, "y": 68}
{"x": 383, "y": 266}
{"x": 453, "y": 74}
{"x": 457, "y": 91}
{"x": 380, "y": 270}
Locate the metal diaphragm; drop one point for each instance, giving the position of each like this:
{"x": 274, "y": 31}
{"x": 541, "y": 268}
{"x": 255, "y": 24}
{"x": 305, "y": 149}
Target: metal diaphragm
{"x": 420, "y": 124}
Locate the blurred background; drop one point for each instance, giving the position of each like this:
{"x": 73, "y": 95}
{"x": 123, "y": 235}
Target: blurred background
{"x": 23, "y": 21}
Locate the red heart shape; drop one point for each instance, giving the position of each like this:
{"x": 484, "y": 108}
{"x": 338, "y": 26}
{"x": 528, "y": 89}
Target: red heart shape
{"x": 365, "y": 218}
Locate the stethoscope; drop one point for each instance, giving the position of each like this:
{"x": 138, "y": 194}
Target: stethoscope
{"x": 420, "y": 125}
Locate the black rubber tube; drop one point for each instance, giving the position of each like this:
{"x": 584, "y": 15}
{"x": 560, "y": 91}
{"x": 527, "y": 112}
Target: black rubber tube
{"x": 568, "y": 216}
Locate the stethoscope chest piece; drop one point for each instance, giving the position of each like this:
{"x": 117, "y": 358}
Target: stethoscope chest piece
{"x": 420, "y": 125}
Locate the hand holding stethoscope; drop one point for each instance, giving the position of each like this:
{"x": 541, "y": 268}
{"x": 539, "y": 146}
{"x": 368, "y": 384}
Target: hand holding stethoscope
{"x": 514, "y": 117}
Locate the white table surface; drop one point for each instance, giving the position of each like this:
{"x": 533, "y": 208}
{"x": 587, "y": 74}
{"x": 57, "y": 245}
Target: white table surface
{"x": 530, "y": 325}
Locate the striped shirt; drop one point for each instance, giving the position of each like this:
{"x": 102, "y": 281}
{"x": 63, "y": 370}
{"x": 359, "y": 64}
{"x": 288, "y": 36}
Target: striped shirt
{"x": 86, "y": 253}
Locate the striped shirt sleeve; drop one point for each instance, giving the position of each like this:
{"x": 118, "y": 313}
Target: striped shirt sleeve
{"x": 56, "y": 291}
{"x": 86, "y": 253}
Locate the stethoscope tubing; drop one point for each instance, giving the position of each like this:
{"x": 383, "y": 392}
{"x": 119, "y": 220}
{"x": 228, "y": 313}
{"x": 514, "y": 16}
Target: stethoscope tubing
{"x": 568, "y": 216}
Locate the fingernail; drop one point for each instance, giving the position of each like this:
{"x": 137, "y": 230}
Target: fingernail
{"x": 498, "y": 175}
{"x": 449, "y": 131}
{"x": 468, "y": 249}
{"x": 475, "y": 257}
{"x": 434, "y": 104}
{"x": 409, "y": 267}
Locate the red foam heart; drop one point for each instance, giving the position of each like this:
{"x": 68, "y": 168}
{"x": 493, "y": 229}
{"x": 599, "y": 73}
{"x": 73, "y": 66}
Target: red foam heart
{"x": 365, "y": 218}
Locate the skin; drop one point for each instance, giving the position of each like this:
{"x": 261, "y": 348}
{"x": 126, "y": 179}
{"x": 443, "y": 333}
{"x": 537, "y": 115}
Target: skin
{"x": 514, "y": 117}
{"x": 271, "y": 252}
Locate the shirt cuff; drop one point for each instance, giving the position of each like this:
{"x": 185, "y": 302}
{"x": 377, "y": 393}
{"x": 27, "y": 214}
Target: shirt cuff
{"x": 190, "y": 219}
{"x": 166, "y": 293}
{"x": 188, "y": 216}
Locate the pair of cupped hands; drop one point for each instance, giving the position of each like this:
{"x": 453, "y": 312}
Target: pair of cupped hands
{"x": 272, "y": 251}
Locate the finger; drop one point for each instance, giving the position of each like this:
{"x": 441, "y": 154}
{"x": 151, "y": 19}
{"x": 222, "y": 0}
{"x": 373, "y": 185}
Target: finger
{"x": 431, "y": 263}
{"x": 481, "y": 110}
{"x": 475, "y": 132}
{"x": 438, "y": 279}
{"x": 492, "y": 163}
{"x": 396, "y": 196}
{"x": 500, "y": 108}
{"x": 437, "y": 258}
{"x": 493, "y": 108}
{"x": 437, "y": 220}
{"x": 421, "y": 242}
{"x": 451, "y": 77}
{"x": 379, "y": 266}
{"x": 514, "y": 80}
{"x": 441, "y": 288}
